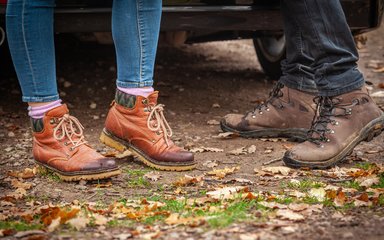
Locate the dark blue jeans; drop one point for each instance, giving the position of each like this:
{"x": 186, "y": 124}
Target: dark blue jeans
{"x": 321, "y": 52}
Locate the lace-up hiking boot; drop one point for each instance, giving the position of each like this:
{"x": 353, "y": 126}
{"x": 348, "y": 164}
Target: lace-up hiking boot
{"x": 342, "y": 122}
{"x": 59, "y": 145}
{"x": 138, "y": 124}
{"x": 287, "y": 113}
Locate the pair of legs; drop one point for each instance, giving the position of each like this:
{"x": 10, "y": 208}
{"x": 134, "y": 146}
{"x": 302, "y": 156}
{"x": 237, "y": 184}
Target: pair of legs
{"x": 321, "y": 63}
{"x": 135, "y": 120}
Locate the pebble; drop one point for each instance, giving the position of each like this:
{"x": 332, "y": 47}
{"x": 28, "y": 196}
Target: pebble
{"x": 93, "y": 106}
{"x": 11, "y": 134}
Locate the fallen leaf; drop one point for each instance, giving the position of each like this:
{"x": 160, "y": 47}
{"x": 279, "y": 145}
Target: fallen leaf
{"x": 221, "y": 173}
{"x": 368, "y": 181}
{"x": 100, "y": 220}
{"x": 205, "y": 149}
{"x": 176, "y": 219}
{"x": 238, "y": 151}
{"x": 225, "y": 193}
{"x": 26, "y": 173}
{"x": 318, "y": 193}
{"x": 298, "y": 207}
{"x": 54, "y": 224}
{"x": 251, "y": 149}
{"x": 213, "y": 122}
{"x": 188, "y": 180}
{"x": 379, "y": 70}
{"x": 273, "y": 205}
{"x": 340, "y": 199}
{"x": 210, "y": 164}
{"x": 153, "y": 176}
{"x": 277, "y": 170}
{"x": 18, "y": 184}
{"x": 289, "y": 215}
{"x": 79, "y": 222}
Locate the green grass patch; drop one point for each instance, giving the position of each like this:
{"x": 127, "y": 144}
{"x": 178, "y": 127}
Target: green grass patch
{"x": 19, "y": 226}
{"x": 303, "y": 185}
{"x": 381, "y": 182}
{"x": 136, "y": 178}
{"x": 120, "y": 223}
{"x": 46, "y": 173}
{"x": 352, "y": 184}
{"x": 365, "y": 166}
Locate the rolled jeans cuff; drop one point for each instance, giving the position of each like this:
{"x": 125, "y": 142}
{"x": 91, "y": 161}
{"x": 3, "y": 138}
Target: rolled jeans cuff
{"x": 334, "y": 85}
{"x": 134, "y": 84}
{"x": 299, "y": 83}
{"x": 41, "y": 99}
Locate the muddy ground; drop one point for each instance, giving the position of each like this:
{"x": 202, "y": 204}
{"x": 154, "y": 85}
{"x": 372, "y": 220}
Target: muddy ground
{"x": 197, "y": 83}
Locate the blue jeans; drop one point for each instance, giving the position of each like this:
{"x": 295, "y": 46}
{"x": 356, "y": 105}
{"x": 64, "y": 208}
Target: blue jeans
{"x": 321, "y": 52}
{"x": 135, "y": 30}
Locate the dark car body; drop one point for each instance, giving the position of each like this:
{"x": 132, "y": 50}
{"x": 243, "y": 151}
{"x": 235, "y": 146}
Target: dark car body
{"x": 208, "y": 20}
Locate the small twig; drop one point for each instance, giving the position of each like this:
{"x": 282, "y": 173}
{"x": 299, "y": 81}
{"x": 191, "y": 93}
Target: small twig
{"x": 272, "y": 161}
{"x": 90, "y": 197}
{"x": 340, "y": 180}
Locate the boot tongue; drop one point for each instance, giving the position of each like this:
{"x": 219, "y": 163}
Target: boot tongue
{"x": 58, "y": 111}
{"x": 152, "y": 98}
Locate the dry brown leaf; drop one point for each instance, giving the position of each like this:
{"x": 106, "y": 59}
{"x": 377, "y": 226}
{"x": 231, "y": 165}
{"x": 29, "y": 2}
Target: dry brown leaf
{"x": 368, "y": 181}
{"x": 100, "y": 220}
{"x": 153, "y": 176}
{"x": 205, "y": 149}
{"x": 340, "y": 199}
{"x": 318, "y": 193}
{"x": 225, "y": 193}
{"x": 26, "y": 173}
{"x": 289, "y": 215}
{"x": 54, "y": 224}
{"x": 277, "y": 170}
{"x": 238, "y": 151}
{"x": 176, "y": 219}
{"x": 188, "y": 180}
{"x": 79, "y": 222}
{"x": 298, "y": 207}
{"x": 213, "y": 122}
{"x": 273, "y": 205}
{"x": 210, "y": 164}
{"x": 221, "y": 173}
{"x": 18, "y": 184}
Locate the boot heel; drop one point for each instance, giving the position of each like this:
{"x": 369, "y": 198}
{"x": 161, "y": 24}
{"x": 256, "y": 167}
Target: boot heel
{"x": 107, "y": 140}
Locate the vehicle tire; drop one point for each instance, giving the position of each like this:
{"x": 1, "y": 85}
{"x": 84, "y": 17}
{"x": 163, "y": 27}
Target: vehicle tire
{"x": 270, "y": 51}
{"x": 6, "y": 65}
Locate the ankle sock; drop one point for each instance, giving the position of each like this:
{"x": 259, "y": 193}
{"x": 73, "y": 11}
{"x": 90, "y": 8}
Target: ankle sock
{"x": 144, "y": 91}
{"x": 39, "y": 112}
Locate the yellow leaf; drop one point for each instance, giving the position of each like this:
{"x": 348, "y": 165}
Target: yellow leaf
{"x": 79, "y": 222}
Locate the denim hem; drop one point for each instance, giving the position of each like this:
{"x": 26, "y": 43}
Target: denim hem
{"x": 134, "y": 84}
{"x": 339, "y": 91}
{"x": 41, "y": 99}
{"x": 292, "y": 83}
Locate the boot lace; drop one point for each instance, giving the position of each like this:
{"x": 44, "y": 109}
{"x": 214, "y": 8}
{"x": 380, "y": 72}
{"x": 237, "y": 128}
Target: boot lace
{"x": 275, "y": 94}
{"x": 69, "y": 127}
{"x": 326, "y": 109}
{"x": 156, "y": 122}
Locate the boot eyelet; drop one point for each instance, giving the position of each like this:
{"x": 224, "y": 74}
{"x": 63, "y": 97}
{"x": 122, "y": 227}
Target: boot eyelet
{"x": 158, "y": 133}
{"x": 253, "y": 116}
{"x": 321, "y": 146}
{"x": 52, "y": 121}
{"x": 328, "y": 140}
{"x": 337, "y": 123}
{"x": 268, "y": 109}
{"x": 71, "y": 149}
{"x": 66, "y": 143}
{"x": 153, "y": 140}
{"x": 144, "y": 101}
{"x": 261, "y": 113}
{"x": 332, "y": 132}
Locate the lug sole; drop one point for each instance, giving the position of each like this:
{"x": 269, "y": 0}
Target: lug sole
{"x": 369, "y": 132}
{"x": 293, "y": 134}
{"x": 78, "y": 176}
{"x": 122, "y": 145}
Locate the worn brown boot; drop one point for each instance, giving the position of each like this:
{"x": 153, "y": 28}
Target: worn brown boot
{"x": 342, "y": 123}
{"x": 137, "y": 124}
{"x": 59, "y": 145}
{"x": 287, "y": 113}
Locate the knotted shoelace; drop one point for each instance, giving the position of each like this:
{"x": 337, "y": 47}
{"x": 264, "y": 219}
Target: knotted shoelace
{"x": 276, "y": 93}
{"x": 326, "y": 108}
{"x": 69, "y": 128}
{"x": 156, "y": 122}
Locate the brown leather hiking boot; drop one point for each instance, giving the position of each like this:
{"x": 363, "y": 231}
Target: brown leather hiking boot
{"x": 137, "y": 124}
{"x": 342, "y": 123}
{"x": 59, "y": 145}
{"x": 287, "y": 113}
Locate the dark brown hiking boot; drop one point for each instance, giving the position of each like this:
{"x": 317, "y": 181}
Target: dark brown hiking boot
{"x": 59, "y": 145}
{"x": 287, "y": 113}
{"x": 342, "y": 123}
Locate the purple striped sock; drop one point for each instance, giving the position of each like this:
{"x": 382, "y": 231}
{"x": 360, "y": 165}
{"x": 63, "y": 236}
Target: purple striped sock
{"x": 144, "y": 91}
{"x": 39, "y": 112}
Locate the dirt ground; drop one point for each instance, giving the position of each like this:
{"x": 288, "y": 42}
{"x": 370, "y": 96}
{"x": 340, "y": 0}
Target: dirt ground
{"x": 198, "y": 84}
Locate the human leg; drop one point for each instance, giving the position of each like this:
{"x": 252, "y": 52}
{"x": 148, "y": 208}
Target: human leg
{"x": 58, "y": 141}
{"x": 135, "y": 120}
{"x": 346, "y": 115}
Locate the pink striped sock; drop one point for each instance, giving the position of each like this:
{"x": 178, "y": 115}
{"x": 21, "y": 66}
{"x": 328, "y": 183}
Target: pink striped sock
{"x": 144, "y": 91}
{"x": 39, "y": 112}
